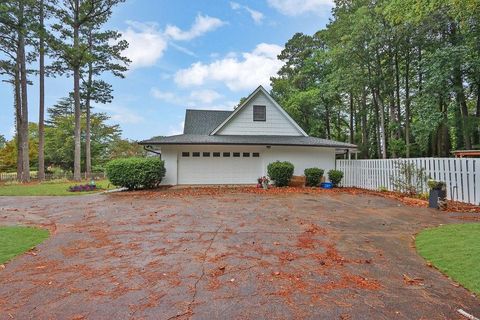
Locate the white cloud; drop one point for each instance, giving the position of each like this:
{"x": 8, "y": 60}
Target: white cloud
{"x": 196, "y": 98}
{"x": 146, "y": 44}
{"x": 256, "y": 16}
{"x": 119, "y": 114}
{"x": 202, "y": 25}
{"x": 244, "y": 72}
{"x": 298, "y": 7}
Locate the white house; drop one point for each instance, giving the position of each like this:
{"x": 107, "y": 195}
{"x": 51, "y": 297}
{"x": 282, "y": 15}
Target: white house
{"x": 235, "y": 147}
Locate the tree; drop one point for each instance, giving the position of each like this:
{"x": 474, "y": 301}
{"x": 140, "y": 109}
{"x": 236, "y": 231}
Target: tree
{"x": 15, "y": 26}
{"x": 105, "y": 55}
{"x": 72, "y": 52}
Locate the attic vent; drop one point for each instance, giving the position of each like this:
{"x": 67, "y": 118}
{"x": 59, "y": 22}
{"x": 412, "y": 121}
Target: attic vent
{"x": 259, "y": 113}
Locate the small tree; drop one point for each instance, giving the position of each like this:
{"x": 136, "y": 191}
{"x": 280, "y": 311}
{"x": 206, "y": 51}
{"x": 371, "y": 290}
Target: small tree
{"x": 410, "y": 179}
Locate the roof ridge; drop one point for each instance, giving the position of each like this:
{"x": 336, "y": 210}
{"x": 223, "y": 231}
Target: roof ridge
{"x": 208, "y": 110}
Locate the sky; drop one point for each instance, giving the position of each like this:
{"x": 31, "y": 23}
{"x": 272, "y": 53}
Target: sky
{"x": 195, "y": 54}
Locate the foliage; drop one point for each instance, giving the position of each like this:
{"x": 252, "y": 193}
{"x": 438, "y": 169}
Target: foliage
{"x": 409, "y": 179}
{"x": 135, "y": 173}
{"x": 313, "y": 176}
{"x": 433, "y": 184}
{"x": 83, "y": 188}
{"x": 454, "y": 250}
{"x": 16, "y": 240}
{"x": 280, "y": 172}
{"x": 335, "y": 177}
{"x": 398, "y": 78}
{"x": 58, "y": 187}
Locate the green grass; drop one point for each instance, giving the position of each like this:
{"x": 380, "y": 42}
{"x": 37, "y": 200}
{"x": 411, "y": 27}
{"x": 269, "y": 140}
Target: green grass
{"x": 17, "y": 240}
{"x": 454, "y": 250}
{"x": 48, "y": 188}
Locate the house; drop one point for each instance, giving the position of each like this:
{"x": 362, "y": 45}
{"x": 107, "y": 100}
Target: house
{"x": 235, "y": 147}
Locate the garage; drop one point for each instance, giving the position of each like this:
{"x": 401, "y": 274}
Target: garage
{"x": 219, "y": 167}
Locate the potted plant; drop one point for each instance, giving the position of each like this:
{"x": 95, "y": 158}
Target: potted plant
{"x": 263, "y": 182}
{"x": 438, "y": 193}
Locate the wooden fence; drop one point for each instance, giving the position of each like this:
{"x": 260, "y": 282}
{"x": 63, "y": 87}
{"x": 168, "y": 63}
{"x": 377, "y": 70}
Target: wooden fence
{"x": 462, "y": 175}
{"x": 12, "y": 176}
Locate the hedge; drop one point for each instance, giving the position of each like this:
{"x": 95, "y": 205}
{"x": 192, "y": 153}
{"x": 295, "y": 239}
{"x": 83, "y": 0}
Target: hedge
{"x": 313, "y": 176}
{"x": 136, "y": 173}
{"x": 335, "y": 177}
{"x": 280, "y": 172}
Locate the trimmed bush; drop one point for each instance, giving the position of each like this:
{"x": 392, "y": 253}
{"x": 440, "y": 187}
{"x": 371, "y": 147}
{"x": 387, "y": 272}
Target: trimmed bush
{"x": 136, "y": 173}
{"x": 313, "y": 176}
{"x": 335, "y": 177}
{"x": 280, "y": 172}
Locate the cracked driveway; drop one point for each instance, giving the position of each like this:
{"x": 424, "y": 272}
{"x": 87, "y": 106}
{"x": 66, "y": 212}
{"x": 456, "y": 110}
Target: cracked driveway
{"x": 152, "y": 255}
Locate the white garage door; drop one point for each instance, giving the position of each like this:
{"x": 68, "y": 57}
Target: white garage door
{"x": 219, "y": 167}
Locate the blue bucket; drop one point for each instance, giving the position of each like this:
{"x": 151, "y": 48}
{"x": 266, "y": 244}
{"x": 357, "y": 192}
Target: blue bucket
{"x": 326, "y": 185}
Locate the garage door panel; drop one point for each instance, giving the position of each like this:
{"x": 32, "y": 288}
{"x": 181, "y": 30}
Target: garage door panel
{"x": 221, "y": 170}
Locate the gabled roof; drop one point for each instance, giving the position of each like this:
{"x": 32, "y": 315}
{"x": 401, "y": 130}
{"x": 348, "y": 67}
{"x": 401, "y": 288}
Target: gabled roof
{"x": 200, "y": 139}
{"x": 240, "y": 107}
{"x": 203, "y": 121}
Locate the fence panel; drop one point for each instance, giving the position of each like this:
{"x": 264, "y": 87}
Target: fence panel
{"x": 461, "y": 175}
{"x": 5, "y": 177}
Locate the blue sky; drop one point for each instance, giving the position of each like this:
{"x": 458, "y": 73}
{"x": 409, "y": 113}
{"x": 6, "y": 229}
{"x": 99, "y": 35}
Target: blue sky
{"x": 187, "y": 54}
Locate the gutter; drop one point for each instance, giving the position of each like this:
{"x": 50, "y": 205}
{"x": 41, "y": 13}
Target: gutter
{"x": 148, "y": 148}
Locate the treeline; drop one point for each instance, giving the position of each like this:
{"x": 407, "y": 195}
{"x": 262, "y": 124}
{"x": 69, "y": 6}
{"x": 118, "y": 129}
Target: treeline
{"x": 400, "y": 78}
{"x": 70, "y": 36}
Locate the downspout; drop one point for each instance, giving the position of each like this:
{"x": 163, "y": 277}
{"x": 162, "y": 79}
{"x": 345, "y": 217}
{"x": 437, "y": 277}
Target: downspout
{"x": 149, "y": 149}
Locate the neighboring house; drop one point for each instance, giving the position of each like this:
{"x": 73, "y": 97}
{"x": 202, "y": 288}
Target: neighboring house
{"x": 235, "y": 147}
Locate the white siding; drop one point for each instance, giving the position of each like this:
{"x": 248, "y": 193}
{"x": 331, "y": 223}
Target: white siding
{"x": 238, "y": 170}
{"x": 169, "y": 155}
{"x": 276, "y": 124}
{"x": 301, "y": 158}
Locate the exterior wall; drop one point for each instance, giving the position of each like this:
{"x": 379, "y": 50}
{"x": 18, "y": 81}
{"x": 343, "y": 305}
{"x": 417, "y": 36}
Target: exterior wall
{"x": 301, "y": 157}
{"x": 169, "y": 155}
{"x": 276, "y": 124}
{"x": 245, "y": 171}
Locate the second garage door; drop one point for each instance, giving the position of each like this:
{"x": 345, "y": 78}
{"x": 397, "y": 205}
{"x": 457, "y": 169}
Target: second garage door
{"x": 219, "y": 167}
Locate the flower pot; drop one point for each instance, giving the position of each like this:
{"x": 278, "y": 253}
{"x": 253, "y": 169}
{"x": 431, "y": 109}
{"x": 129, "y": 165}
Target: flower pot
{"x": 435, "y": 195}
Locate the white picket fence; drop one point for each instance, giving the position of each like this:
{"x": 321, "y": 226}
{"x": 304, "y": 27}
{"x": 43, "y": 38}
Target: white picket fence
{"x": 462, "y": 175}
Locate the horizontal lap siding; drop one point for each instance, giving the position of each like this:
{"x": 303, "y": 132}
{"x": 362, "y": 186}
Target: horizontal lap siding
{"x": 275, "y": 124}
{"x": 462, "y": 176}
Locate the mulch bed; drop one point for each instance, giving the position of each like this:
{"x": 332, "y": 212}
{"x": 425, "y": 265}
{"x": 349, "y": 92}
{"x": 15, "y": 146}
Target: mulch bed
{"x": 167, "y": 192}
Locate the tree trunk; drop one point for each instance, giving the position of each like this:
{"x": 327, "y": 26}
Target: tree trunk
{"x": 364, "y": 124}
{"x": 76, "y": 96}
{"x": 18, "y": 119}
{"x": 351, "y": 118}
{"x": 407, "y": 105}
{"x": 462, "y": 104}
{"x": 327, "y": 121}
{"x": 88, "y": 157}
{"x": 41, "y": 111}
{"x": 381, "y": 125}
{"x": 397, "y": 85}
{"x": 23, "y": 86}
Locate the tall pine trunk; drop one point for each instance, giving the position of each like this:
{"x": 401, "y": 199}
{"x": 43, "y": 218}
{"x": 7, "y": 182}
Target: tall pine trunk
{"x": 407, "y": 105}
{"x": 24, "y": 104}
{"x": 352, "y": 111}
{"x": 76, "y": 95}
{"x": 18, "y": 119}
{"x": 88, "y": 155}
{"x": 41, "y": 110}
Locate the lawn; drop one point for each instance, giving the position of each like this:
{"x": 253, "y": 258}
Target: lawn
{"x": 48, "y": 188}
{"x": 17, "y": 240}
{"x": 454, "y": 250}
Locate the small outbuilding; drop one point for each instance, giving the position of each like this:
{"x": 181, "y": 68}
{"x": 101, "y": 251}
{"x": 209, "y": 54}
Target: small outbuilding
{"x": 235, "y": 147}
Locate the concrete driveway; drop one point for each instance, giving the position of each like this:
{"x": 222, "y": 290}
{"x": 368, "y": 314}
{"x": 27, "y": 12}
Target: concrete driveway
{"x": 155, "y": 255}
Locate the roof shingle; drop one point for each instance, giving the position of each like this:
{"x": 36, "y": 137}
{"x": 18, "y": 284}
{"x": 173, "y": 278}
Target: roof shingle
{"x": 203, "y": 121}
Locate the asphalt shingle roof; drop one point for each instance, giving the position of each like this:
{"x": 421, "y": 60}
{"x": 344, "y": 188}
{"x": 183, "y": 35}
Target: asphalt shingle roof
{"x": 203, "y": 121}
{"x": 246, "y": 140}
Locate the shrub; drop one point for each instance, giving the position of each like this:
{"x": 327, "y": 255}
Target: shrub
{"x": 335, "y": 177}
{"x": 313, "y": 176}
{"x": 135, "y": 173}
{"x": 280, "y": 172}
